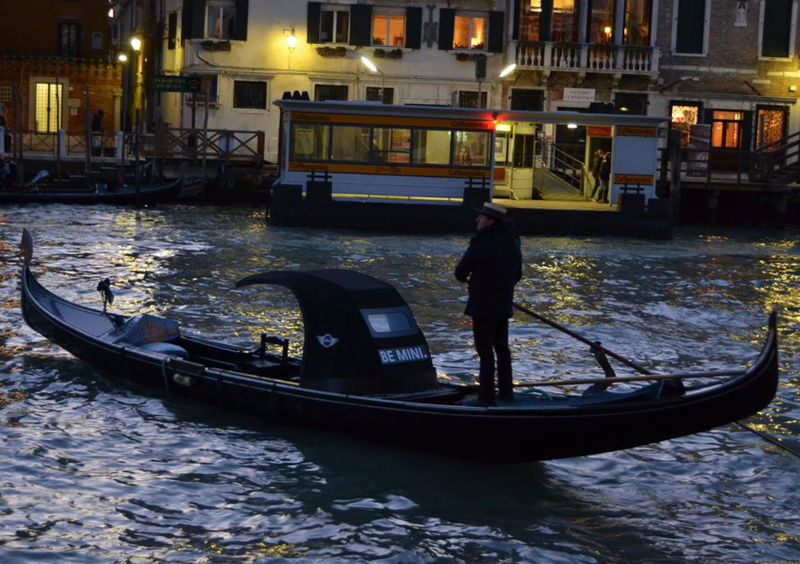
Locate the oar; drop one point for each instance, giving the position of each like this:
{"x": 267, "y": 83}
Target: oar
{"x": 650, "y": 377}
{"x": 593, "y": 344}
{"x": 640, "y": 369}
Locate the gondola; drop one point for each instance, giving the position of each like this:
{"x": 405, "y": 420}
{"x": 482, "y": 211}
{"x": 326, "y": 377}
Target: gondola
{"x": 92, "y": 193}
{"x": 366, "y": 371}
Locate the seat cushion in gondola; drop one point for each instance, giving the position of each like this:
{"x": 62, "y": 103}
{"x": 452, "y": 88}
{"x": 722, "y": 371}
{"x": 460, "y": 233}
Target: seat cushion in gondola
{"x": 167, "y": 348}
{"x": 143, "y": 329}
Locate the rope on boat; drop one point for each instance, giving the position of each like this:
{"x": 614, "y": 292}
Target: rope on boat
{"x": 538, "y": 392}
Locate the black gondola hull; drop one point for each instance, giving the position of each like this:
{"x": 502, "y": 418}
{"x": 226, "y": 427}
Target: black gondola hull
{"x": 522, "y": 431}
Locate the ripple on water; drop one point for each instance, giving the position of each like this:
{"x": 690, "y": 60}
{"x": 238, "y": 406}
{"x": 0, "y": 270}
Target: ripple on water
{"x": 95, "y": 470}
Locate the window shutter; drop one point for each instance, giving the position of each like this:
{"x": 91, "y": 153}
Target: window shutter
{"x": 193, "y": 19}
{"x": 746, "y": 142}
{"x": 312, "y": 32}
{"x": 240, "y": 20}
{"x": 495, "y": 32}
{"x": 777, "y": 26}
{"x": 361, "y": 24}
{"x": 172, "y": 29}
{"x": 413, "y": 27}
{"x": 691, "y": 26}
{"x": 447, "y": 21}
{"x": 517, "y": 17}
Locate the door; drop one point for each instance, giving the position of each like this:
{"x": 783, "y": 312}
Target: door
{"x": 523, "y": 152}
{"x": 729, "y": 134}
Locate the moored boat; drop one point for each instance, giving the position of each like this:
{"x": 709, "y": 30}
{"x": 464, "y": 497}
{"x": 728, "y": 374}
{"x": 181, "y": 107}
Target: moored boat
{"x": 93, "y": 193}
{"x": 366, "y": 371}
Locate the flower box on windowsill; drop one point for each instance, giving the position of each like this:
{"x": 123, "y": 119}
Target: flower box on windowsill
{"x": 332, "y": 51}
{"x": 216, "y": 45}
{"x": 388, "y": 53}
{"x": 463, "y": 56}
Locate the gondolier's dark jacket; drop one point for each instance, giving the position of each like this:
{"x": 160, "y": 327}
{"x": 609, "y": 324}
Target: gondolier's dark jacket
{"x": 493, "y": 265}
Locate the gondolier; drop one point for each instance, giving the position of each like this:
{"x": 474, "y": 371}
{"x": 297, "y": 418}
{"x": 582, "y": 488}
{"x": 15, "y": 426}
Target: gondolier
{"x": 492, "y": 266}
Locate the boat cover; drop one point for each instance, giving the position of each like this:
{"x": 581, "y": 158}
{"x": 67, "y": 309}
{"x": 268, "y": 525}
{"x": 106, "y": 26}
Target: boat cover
{"x": 360, "y": 335}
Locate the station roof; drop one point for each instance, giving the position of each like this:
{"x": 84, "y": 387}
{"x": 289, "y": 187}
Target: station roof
{"x": 477, "y": 114}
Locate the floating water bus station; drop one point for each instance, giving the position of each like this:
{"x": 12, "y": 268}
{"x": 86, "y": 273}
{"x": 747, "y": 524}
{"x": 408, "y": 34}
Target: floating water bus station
{"x": 415, "y": 168}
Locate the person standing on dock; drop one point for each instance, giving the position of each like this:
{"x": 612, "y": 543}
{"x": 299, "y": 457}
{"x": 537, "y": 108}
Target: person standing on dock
{"x": 492, "y": 266}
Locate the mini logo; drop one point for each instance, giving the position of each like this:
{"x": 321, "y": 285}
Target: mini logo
{"x": 327, "y": 340}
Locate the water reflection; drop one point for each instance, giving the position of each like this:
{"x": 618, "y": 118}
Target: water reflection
{"x": 117, "y": 471}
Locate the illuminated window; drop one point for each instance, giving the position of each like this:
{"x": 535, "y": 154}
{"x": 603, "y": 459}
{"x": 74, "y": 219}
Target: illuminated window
{"x": 637, "y": 22}
{"x": 684, "y": 116}
{"x": 726, "y": 127}
{"x": 391, "y": 145}
{"x": 48, "y": 107}
{"x": 310, "y": 141}
{"x": 334, "y": 24}
{"x": 388, "y": 29}
{"x": 565, "y": 22}
{"x": 770, "y": 125}
{"x": 469, "y": 32}
{"x": 219, "y": 19}
{"x": 601, "y": 21}
{"x": 471, "y": 148}
{"x": 431, "y": 146}
{"x": 531, "y": 21}
{"x": 350, "y": 143}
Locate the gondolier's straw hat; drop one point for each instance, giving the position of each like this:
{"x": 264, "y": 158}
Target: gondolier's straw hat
{"x": 493, "y": 210}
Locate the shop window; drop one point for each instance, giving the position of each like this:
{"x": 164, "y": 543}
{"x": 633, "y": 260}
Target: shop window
{"x": 388, "y": 29}
{"x": 691, "y": 27}
{"x": 250, "y": 94}
{"x": 69, "y": 39}
{"x": 630, "y": 103}
{"x": 770, "y": 125}
{"x": 600, "y": 22}
{"x": 380, "y": 94}
{"x": 469, "y": 99}
{"x": 47, "y": 107}
{"x": 638, "y": 14}
{"x": 776, "y": 29}
{"x": 219, "y": 19}
{"x": 324, "y": 92}
{"x": 684, "y": 116}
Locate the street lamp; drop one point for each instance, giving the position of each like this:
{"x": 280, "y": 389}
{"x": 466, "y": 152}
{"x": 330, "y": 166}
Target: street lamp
{"x": 291, "y": 39}
{"x": 371, "y": 66}
{"x": 508, "y": 70}
{"x": 136, "y": 43}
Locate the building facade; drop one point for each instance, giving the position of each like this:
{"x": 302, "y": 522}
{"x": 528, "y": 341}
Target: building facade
{"x": 55, "y": 69}
{"x": 724, "y": 71}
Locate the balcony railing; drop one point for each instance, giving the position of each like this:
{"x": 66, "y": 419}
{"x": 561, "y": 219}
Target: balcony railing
{"x": 587, "y": 57}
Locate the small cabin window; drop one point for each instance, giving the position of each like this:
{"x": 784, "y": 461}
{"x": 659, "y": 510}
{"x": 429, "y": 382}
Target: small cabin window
{"x": 310, "y": 141}
{"x": 389, "y": 322}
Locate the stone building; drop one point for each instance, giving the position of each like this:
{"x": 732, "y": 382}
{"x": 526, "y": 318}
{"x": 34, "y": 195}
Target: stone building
{"x": 55, "y": 70}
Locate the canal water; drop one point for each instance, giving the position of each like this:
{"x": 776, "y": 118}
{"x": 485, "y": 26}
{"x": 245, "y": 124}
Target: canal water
{"x": 100, "y": 471}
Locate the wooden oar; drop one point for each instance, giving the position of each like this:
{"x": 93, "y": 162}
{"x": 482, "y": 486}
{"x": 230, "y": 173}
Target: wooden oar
{"x": 593, "y": 344}
{"x": 579, "y": 381}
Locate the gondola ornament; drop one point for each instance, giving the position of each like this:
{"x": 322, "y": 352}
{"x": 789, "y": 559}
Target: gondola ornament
{"x": 104, "y": 287}
{"x": 26, "y": 247}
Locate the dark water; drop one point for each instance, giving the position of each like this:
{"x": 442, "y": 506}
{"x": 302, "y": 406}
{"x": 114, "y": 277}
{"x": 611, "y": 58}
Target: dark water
{"x": 98, "y": 471}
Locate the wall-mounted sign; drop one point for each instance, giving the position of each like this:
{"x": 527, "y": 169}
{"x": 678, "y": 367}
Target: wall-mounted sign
{"x": 599, "y": 130}
{"x": 584, "y": 95}
{"x": 634, "y": 131}
{"x": 645, "y": 179}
